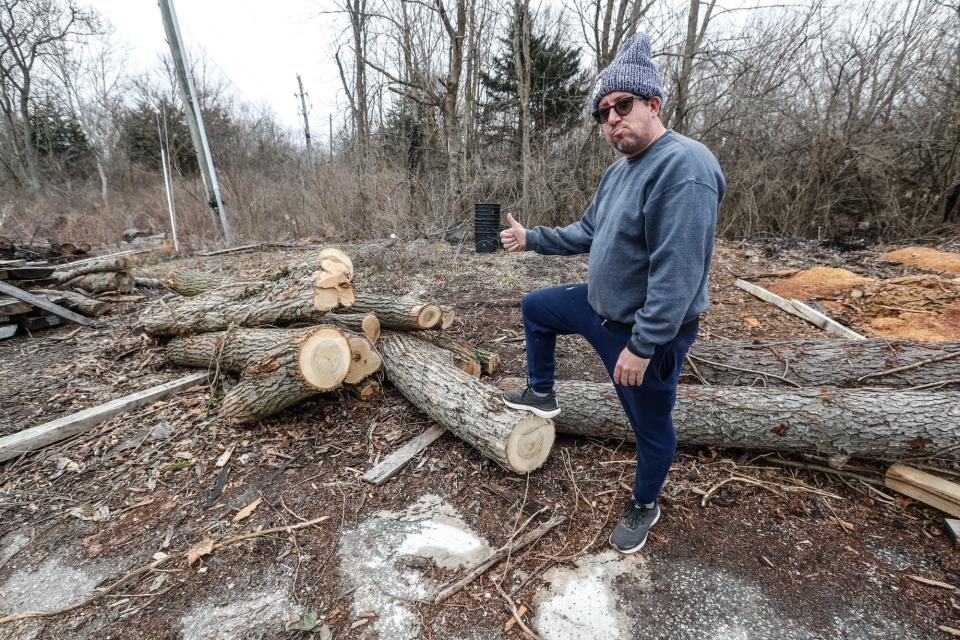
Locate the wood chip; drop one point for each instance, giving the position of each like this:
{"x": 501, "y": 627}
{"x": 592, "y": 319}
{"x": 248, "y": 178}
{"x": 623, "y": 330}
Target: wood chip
{"x": 247, "y": 511}
{"x": 932, "y": 583}
{"x": 522, "y": 609}
{"x": 199, "y": 550}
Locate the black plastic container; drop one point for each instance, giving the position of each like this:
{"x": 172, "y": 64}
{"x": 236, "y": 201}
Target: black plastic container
{"x": 486, "y": 226}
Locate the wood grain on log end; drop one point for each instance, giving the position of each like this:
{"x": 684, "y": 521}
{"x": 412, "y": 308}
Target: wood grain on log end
{"x": 428, "y": 315}
{"x": 324, "y": 358}
{"x": 325, "y": 298}
{"x": 327, "y": 279}
{"x": 371, "y": 327}
{"x": 345, "y": 294}
{"x": 364, "y": 360}
{"x": 447, "y": 318}
{"x": 332, "y": 259}
{"x": 530, "y": 443}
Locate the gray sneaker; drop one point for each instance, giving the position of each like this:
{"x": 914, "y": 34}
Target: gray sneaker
{"x": 630, "y": 534}
{"x": 525, "y": 399}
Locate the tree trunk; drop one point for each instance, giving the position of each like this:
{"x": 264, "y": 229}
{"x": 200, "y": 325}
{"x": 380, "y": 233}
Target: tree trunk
{"x": 887, "y": 425}
{"x": 489, "y": 362}
{"x": 366, "y": 323}
{"x": 97, "y": 266}
{"x": 316, "y": 361}
{"x": 119, "y": 281}
{"x": 516, "y": 440}
{"x": 190, "y": 282}
{"x": 403, "y": 314}
{"x": 292, "y": 300}
{"x": 827, "y": 363}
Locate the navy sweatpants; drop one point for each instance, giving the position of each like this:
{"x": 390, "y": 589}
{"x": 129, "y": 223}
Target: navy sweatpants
{"x": 564, "y": 310}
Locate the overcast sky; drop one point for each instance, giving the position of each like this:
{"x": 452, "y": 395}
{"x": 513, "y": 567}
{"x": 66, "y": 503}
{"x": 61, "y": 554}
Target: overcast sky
{"x": 259, "y": 46}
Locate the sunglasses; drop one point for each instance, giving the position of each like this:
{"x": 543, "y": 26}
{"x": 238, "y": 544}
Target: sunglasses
{"x": 623, "y": 107}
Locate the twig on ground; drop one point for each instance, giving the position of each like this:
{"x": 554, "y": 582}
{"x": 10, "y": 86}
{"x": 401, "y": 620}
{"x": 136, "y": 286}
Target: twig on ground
{"x": 524, "y": 629}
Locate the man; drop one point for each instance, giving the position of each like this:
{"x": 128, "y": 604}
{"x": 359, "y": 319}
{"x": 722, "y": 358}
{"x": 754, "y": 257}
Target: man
{"x": 649, "y": 232}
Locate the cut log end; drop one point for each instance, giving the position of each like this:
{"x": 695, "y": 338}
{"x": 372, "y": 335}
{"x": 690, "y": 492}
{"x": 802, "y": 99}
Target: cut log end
{"x": 332, "y": 259}
{"x": 428, "y": 316}
{"x": 345, "y": 295}
{"x": 365, "y": 360}
{"x": 324, "y": 358}
{"x": 530, "y": 443}
{"x": 447, "y": 317}
{"x": 326, "y": 279}
{"x": 325, "y": 298}
{"x": 371, "y": 327}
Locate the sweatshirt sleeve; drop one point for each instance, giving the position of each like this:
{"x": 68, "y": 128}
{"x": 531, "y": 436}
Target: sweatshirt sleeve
{"x": 564, "y": 241}
{"x": 680, "y": 222}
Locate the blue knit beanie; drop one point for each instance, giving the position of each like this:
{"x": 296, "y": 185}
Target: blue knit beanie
{"x": 632, "y": 71}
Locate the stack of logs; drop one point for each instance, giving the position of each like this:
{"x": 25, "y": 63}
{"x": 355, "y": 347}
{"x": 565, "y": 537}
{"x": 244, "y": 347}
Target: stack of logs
{"x": 226, "y": 324}
{"x": 872, "y": 398}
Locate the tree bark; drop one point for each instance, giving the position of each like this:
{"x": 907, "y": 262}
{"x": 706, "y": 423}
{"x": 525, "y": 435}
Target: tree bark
{"x": 827, "y": 363}
{"x": 74, "y": 301}
{"x": 473, "y": 411}
{"x": 489, "y": 362}
{"x": 190, "y": 282}
{"x": 119, "y": 281}
{"x": 318, "y": 360}
{"x": 884, "y": 425}
{"x": 404, "y": 314}
{"x": 97, "y": 266}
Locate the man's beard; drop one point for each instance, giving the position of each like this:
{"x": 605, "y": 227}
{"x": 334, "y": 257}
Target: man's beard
{"x": 628, "y": 144}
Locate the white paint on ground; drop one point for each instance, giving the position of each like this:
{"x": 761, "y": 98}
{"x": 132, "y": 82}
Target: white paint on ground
{"x": 258, "y": 614}
{"x": 11, "y": 545}
{"x": 583, "y": 603}
{"x": 386, "y": 558}
{"x": 54, "y": 584}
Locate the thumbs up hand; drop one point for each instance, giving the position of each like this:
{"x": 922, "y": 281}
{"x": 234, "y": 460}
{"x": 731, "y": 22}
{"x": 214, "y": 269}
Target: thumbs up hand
{"x": 514, "y": 238}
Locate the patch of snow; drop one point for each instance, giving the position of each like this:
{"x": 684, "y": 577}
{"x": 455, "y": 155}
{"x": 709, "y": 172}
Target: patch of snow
{"x": 261, "y": 614}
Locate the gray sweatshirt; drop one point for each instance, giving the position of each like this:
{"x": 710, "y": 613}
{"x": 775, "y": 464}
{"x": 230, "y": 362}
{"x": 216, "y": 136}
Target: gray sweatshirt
{"x": 649, "y": 232}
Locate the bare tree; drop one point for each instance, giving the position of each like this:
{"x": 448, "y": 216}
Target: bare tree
{"x": 30, "y": 32}
{"x": 522, "y": 66}
{"x": 606, "y": 24}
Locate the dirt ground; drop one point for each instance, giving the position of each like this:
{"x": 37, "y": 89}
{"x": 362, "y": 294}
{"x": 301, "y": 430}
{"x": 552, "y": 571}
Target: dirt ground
{"x": 79, "y": 515}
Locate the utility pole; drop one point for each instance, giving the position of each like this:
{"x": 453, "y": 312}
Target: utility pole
{"x": 192, "y": 108}
{"x": 306, "y": 122}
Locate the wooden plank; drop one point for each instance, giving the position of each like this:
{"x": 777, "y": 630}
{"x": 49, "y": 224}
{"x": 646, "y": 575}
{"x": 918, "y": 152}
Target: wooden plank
{"x": 12, "y": 306}
{"x": 389, "y": 466}
{"x": 926, "y": 481}
{"x": 925, "y": 497}
{"x": 46, "y": 305}
{"x": 17, "y": 444}
{"x": 801, "y": 310}
{"x": 7, "y": 331}
{"x": 12, "y": 264}
{"x": 229, "y": 250}
{"x": 28, "y": 273}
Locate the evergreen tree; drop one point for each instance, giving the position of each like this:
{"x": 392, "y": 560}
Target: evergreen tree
{"x": 558, "y": 91}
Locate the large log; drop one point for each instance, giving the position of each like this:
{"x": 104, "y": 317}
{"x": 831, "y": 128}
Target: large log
{"x": 191, "y": 282}
{"x": 883, "y": 425}
{"x": 403, "y": 314}
{"x": 118, "y": 281}
{"x": 233, "y": 350}
{"x": 119, "y": 263}
{"x": 290, "y": 300}
{"x": 74, "y": 301}
{"x": 473, "y": 411}
{"x": 317, "y": 361}
{"x": 488, "y": 361}
{"x": 828, "y": 363}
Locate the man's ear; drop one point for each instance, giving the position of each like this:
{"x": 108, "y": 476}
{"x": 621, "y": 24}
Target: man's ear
{"x": 655, "y": 104}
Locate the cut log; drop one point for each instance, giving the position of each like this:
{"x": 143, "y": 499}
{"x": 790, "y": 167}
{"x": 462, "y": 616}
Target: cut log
{"x": 488, "y": 361}
{"x": 403, "y": 314}
{"x": 828, "y": 363}
{"x": 277, "y": 305}
{"x": 75, "y": 301}
{"x": 329, "y": 298}
{"x": 12, "y": 306}
{"x": 473, "y": 411}
{"x": 333, "y": 260}
{"x": 191, "y": 282}
{"x": 447, "y": 316}
{"x": 233, "y": 350}
{"x": 147, "y": 283}
{"x": 105, "y": 265}
{"x": 883, "y": 425}
{"x": 365, "y": 323}
{"x": 317, "y": 361}
{"x": 120, "y": 281}
{"x": 365, "y": 389}
{"x": 364, "y": 360}
{"x": 925, "y": 487}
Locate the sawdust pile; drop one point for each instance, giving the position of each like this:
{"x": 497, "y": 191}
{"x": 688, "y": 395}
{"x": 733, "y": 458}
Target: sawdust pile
{"x": 925, "y": 258}
{"x": 923, "y": 307}
{"x": 818, "y": 283}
